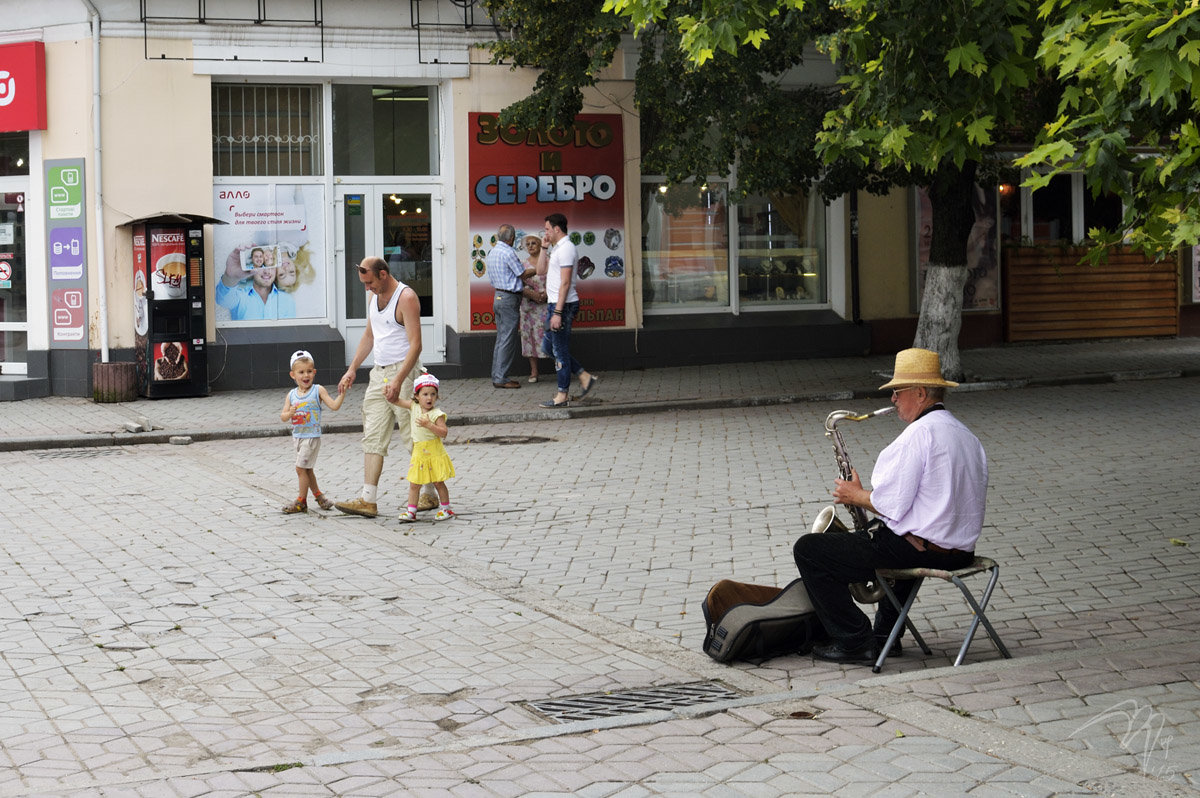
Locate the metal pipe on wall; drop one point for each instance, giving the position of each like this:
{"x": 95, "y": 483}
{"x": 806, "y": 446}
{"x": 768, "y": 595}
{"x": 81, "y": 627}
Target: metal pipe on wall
{"x": 98, "y": 187}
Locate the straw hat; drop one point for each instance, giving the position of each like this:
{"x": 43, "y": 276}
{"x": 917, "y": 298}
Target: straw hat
{"x": 918, "y": 367}
{"x": 525, "y": 242}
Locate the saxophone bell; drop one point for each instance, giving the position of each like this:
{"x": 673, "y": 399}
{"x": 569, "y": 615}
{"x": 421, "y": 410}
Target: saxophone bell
{"x": 827, "y": 520}
{"x": 863, "y": 592}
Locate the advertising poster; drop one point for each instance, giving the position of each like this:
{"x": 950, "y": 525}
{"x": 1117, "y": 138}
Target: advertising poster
{"x": 66, "y": 252}
{"x": 168, "y": 275}
{"x": 170, "y": 361}
{"x": 270, "y": 254}
{"x": 519, "y": 177}
{"x": 982, "y": 291}
{"x": 1196, "y": 273}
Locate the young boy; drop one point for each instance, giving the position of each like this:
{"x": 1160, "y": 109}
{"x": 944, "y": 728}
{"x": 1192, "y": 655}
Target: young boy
{"x": 302, "y": 409}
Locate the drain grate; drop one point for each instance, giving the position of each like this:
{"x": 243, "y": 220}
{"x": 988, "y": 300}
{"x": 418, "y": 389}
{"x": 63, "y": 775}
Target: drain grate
{"x": 511, "y": 440}
{"x": 76, "y": 454}
{"x": 632, "y": 702}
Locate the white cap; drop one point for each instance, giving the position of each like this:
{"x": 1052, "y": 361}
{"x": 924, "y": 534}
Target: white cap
{"x": 423, "y": 380}
{"x": 300, "y": 354}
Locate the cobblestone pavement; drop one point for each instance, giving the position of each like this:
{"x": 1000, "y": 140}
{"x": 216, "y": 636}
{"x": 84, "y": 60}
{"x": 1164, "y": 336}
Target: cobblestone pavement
{"x": 165, "y": 630}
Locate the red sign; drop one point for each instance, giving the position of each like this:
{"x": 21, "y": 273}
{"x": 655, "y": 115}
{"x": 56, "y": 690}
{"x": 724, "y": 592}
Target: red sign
{"x": 168, "y": 263}
{"x": 22, "y": 86}
{"x": 67, "y": 318}
{"x": 519, "y": 177}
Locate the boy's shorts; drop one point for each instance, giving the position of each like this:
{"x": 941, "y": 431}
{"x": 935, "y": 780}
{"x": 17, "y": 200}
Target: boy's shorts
{"x": 306, "y": 451}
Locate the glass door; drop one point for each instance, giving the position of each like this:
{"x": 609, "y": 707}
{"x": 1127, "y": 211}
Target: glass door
{"x": 14, "y": 319}
{"x": 399, "y": 225}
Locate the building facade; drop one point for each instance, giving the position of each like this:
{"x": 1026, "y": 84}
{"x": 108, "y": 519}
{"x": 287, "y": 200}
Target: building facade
{"x": 288, "y": 140}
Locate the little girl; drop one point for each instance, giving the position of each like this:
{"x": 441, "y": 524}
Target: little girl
{"x": 430, "y": 463}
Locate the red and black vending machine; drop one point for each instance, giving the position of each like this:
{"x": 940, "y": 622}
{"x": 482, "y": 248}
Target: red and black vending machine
{"x": 169, "y": 305}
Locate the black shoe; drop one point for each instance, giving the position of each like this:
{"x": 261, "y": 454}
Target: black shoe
{"x": 834, "y": 651}
{"x": 896, "y": 651}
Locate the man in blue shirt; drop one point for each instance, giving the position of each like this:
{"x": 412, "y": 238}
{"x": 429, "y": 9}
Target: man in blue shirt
{"x": 254, "y": 299}
{"x": 505, "y": 272}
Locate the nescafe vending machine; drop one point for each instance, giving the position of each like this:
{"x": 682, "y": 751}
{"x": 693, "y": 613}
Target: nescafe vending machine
{"x": 169, "y": 308}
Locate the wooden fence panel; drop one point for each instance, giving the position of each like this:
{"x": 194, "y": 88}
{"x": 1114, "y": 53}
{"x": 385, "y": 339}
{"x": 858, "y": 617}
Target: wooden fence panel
{"x": 1048, "y": 296}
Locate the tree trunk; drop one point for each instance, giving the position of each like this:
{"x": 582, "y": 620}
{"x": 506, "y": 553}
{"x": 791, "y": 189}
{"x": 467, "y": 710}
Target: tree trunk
{"x": 941, "y": 316}
{"x": 942, "y": 300}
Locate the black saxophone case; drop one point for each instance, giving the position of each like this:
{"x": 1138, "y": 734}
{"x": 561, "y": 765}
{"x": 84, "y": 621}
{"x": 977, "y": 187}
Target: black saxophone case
{"x": 757, "y": 622}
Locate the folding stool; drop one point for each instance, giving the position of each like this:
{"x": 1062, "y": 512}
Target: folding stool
{"x": 919, "y": 575}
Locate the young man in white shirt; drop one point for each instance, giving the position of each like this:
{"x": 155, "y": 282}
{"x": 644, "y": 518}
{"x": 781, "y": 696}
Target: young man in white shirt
{"x": 557, "y": 263}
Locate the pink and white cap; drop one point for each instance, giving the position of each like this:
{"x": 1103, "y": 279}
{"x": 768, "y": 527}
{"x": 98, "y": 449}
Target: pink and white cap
{"x": 423, "y": 380}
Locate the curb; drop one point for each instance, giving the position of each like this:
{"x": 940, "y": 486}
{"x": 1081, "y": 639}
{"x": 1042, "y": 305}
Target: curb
{"x": 583, "y": 410}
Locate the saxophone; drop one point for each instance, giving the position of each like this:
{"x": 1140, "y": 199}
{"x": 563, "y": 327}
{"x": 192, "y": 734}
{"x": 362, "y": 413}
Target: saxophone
{"x": 863, "y": 592}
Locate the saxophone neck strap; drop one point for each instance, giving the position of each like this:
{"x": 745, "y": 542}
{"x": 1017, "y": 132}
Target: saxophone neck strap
{"x": 930, "y": 409}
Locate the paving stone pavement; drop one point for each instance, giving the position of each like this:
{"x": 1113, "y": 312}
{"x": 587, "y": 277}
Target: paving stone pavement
{"x": 165, "y": 630}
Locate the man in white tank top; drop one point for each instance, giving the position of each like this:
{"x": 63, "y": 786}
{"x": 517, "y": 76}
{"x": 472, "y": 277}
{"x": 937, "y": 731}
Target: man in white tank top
{"x": 393, "y": 336}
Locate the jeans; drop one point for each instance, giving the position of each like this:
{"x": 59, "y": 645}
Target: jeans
{"x": 507, "y": 308}
{"x": 558, "y": 344}
{"x": 830, "y": 561}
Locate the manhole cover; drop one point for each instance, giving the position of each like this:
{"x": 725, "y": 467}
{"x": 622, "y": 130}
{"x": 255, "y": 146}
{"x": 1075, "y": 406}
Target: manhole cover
{"x": 61, "y": 454}
{"x": 632, "y": 702}
{"x": 512, "y": 440}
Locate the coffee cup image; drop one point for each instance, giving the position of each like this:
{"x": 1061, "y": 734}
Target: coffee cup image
{"x": 170, "y": 276}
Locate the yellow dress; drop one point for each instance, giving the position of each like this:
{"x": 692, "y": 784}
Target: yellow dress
{"x": 429, "y": 463}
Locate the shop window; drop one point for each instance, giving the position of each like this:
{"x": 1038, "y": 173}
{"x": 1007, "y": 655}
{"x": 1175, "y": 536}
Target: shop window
{"x": 1010, "y": 211}
{"x": 1103, "y": 211}
{"x": 1062, "y": 211}
{"x": 687, "y": 262}
{"x": 685, "y": 245}
{"x": 14, "y": 317}
{"x": 14, "y": 154}
{"x": 781, "y": 246}
{"x": 1052, "y": 210}
{"x": 385, "y": 130}
{"x": 266, "y": 131}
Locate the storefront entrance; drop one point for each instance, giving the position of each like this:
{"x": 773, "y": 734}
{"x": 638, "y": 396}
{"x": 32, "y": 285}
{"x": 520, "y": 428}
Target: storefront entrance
{"x": 14, "y": 319}
{"x": 399, "y": 224}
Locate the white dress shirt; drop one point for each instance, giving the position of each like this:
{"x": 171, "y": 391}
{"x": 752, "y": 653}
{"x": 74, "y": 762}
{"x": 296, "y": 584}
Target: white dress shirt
{"x": 932, "y": 482}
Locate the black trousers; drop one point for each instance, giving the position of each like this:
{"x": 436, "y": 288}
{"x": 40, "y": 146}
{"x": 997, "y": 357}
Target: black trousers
{"x": 830, "y": 561}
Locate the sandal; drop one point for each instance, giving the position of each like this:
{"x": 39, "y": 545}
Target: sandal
{"x": 297, "y": 506}
{"x": 325, "y": 504}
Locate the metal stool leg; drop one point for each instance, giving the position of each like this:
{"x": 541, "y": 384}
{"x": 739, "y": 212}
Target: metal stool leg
{"x": 980, "y": 616}
{"x": 901, "y": 621}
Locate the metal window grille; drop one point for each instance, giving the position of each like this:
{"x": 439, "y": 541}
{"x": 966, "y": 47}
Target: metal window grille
{"x": 266, "y": 131}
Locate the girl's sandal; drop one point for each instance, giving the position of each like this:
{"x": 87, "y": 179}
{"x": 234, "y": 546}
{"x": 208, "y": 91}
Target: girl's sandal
{"x": 297, "y": 506}
{"x": 325, "y": 504}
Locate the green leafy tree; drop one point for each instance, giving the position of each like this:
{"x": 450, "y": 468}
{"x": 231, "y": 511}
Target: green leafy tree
{"x": 569, "y": 42}
{"x": 1127, "y": 115}
{"x": 926, "y": 90}
{"x": 695, "y": 123}
{"x": 930, "y": 87}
